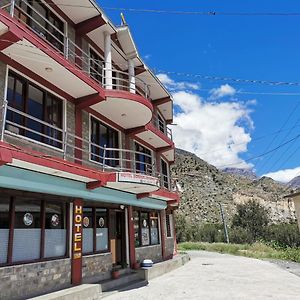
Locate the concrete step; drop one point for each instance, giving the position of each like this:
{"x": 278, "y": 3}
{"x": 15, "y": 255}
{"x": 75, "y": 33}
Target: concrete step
{"x": 124, "y": 280}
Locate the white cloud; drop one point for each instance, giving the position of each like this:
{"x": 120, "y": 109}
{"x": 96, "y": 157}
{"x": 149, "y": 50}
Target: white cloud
{"x": 284, "y": 175}
{"x": 173, "y": 85}
{"x": 222, "y": 91}
{"x": 204, "y": 127}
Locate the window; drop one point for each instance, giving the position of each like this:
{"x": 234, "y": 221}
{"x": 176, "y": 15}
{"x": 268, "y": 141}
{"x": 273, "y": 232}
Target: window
{"x": 165, "y": 174}
{"x": 40, "y": 106}
{"x": 103, "y": 136}
{"x": 95, "y": 230}
{"x": 55, "y": 229}
{"x": 169, "y": 224}
{"x": 161, "y": 124}
{"x": 143, "y": 159}
{"x": 96, "y": 66}
{"x": 43, "y": 21}
{"x": 39, "y": 229}
{"x": 146, "y": 231}
{"x": 4, "y": 228}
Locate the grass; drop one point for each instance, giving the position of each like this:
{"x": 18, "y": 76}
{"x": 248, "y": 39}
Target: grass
{"x": 256, "y": 250}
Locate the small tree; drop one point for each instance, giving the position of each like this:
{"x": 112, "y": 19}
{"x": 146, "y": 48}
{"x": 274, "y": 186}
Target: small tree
{"x": 253, "y": 217}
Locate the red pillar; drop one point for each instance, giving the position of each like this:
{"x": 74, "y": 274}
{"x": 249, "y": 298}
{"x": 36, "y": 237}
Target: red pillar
{"x": 131, "y": 237}
{"x": 78, "y": 138}
{"x": 163, "y": 233}
{"x": 76, "y": 268}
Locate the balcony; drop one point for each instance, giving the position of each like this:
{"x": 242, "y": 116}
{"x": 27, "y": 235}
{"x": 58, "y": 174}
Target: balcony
{"x": 134, "y": 172}
{"x": 51, "y": 54}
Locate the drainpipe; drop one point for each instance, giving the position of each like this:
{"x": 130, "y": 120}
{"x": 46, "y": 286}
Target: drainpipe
{"x": 131, "y": 76}
{"x": 108, "y": 61}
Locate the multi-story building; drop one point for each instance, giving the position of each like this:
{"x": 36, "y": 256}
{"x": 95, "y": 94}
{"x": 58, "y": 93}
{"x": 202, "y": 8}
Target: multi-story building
{"x": 85, "y": 149}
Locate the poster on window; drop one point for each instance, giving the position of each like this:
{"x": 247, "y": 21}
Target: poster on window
{"x": 145, "y": 237}
{"x": 154, "y": 236}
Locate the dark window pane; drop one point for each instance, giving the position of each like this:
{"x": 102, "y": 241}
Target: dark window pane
{"x": 101, "y": 230}
{"x": 27, "y": 232}
{"x": 164, "y": 173}
{"x": 88, "y": 230}
{"x": 4, "y": 228}
{"x": 136, "y": 222}
{"x": 145, "y": 229}
{"x": 55, "y": 229}
{"x": 143, "y": 159}
{"x": 154, "y": 228}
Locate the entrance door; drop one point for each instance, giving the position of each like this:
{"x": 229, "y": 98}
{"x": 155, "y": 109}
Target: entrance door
{"x": 117, "y": 237}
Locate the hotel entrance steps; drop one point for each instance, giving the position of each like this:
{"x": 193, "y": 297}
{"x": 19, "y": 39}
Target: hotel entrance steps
{"x": 127, "y": 280}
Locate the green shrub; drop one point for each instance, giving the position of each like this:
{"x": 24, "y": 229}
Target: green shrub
{"x": 238, "y": 235}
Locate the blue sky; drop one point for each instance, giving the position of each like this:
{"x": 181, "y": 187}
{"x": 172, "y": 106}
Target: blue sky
{"x": 248, "y": 47}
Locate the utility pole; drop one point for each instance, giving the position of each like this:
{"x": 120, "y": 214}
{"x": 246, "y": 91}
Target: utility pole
{"x": 224, "y": 223}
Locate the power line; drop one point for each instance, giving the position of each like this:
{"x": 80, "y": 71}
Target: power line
{"x": 178, "y": 12}
{"x": 261, "y": 155}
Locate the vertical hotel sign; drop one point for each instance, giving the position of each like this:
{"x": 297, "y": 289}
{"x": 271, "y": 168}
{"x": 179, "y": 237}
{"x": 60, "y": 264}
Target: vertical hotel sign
{"x": 77, "y": 243}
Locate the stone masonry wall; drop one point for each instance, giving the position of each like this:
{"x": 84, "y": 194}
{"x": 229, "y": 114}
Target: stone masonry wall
{"x": 96, "y": 267}
{"x": 169, "y": 247}
{"x": 150, "y": 252}
{"x": 29, "y": 280}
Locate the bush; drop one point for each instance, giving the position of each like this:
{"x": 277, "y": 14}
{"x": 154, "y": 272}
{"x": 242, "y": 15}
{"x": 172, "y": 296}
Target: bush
{"x": 238, "y": 235}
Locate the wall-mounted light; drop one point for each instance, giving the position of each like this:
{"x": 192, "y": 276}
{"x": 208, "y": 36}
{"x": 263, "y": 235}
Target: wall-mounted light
{"x": 122, "y": 206}
{"x": 48, "y": 69}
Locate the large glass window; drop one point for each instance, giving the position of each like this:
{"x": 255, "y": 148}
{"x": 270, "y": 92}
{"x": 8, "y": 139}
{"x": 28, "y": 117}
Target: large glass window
{"x": 95, "y": 230}
{"x": 102, "y": 137}
{"x": 55, "y": 229}
{"x": 143, "y": 159}
{"x": 4, "y": 228}
{"x": 146, "y": 229}
{"x": 38, "y": 227}
{"x": 165, "y": 174}
{"x": 40, "y": 106}
{"x": 42, "y": 20}
{"x": 27, "y": 230}
{"x": 96, "y": 66}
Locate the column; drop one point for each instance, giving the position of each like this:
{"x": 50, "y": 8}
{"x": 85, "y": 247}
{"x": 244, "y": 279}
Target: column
{"x": 131, "y": 76}
{"x": 131, "y": 237}
{"x": 108, "y": 61}
{"x": 76, "y": 268}
{"x": 163, "y": 235}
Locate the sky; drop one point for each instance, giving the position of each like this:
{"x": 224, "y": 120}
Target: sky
{"x": 226, "y": 123}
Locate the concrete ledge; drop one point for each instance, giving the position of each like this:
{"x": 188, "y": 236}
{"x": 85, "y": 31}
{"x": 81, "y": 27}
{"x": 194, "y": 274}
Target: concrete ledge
{"x": 84, "y": 291}
{"x": 164, "y": 267}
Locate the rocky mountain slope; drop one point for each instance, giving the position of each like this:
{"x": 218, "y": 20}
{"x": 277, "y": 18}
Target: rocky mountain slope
{"x": 203, "y": 186}
{"x": 295, "y": 183}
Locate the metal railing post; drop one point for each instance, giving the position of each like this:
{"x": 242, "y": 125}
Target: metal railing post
{"x": 12, "y": 8}
{"x": 104, "y": 156}
{"x": 66, "y": 47}
{"x": 65, "y": 144}
{"x": 4, "y": 112}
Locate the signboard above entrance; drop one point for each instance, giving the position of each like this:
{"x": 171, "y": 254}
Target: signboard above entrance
{"x": 137, "y": 178}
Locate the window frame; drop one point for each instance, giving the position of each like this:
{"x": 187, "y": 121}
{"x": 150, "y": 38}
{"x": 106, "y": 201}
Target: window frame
{"x": 94, "y": 216}
{"x": 42, "y": 258}
{"x": 168, "y": 173}
{"x": 91, "y": 48}
{"x": 91, "y": 116}
{"x": 26, "y": 81}
{"x": 135, "y": 161}
{"x": 140, "y": 211}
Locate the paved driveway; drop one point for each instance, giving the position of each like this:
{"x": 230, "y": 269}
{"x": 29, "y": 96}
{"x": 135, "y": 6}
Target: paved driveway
{"x": 219, "y": 276}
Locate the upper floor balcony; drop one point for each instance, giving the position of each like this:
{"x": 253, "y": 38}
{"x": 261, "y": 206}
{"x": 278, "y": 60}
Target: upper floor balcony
{"x": 133, "y": 170}
{"x": 39, "y": 41}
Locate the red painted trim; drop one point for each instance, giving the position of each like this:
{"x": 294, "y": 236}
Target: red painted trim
{"x": 5, "y": 157}
{"x": 161, "y": 101}
{"x": 104, "y": 119}
{"x": 89, "y": 100}
{"x": 76, "y": 262}
{"x": 105, "y": 178}
{"x": 139, "y": 70}
{"x": 165, "y": 149}
{"x": 129, "y": 96}
{"x": 94, "y": 185}
{"x": 160, "y": 134}
{"x": 132, "y": 257}
{"x": 142, "y": 195}
{"x": 21, "y": 30}
{"x": 134, "y": 131}
{"x": 7, "y": 39}
{"x": 166, "y": 194}
{"x": 42, "y": 159}
{"x": 40, "y": 80}
{"x": 89, "y": 25}
{"x": 162, "y": 216}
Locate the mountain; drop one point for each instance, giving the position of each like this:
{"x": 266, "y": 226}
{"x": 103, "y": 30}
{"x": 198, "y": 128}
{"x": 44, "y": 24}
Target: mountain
{"x": 295, "y": 183}
{"x": 203, "y": 187}
{"x": 248, "y": 173}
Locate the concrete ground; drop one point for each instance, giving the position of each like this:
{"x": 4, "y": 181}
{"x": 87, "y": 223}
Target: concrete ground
{"x": 220, "y": 276}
